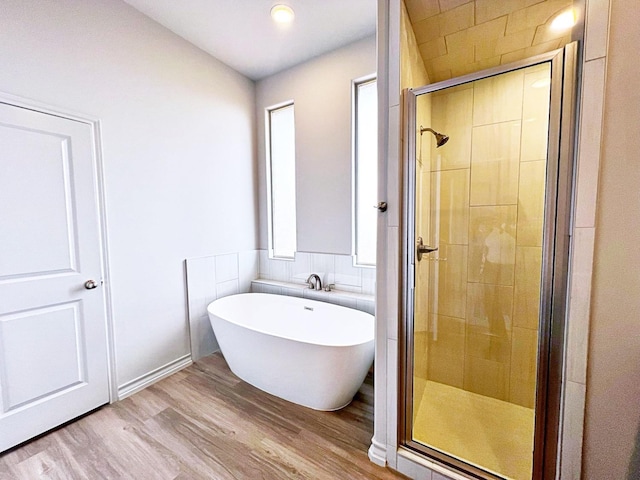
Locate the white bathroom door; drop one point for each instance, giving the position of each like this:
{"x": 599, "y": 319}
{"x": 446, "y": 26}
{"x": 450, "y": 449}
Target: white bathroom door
{"x": 53, "y": 347}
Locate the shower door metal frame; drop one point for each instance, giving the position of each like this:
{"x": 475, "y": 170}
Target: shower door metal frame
{"x": 555, "y": 260}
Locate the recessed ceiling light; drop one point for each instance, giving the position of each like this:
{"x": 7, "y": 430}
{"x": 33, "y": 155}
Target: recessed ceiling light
{"x": 282, "y": 13}
{"x": 564, "y": 20}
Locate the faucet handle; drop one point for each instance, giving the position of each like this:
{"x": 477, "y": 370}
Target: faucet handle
{"x": 327, "y": 288}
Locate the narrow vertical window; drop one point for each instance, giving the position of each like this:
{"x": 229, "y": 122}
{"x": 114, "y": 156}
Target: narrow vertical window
{"x": 365, "y": 170}
{"x": 281, "y": 181}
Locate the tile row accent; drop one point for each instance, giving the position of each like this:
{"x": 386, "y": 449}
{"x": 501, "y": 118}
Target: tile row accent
{"x": 210, "y": 278}
{"x": 332, "y": 269}
{"x": 357, "y": 301}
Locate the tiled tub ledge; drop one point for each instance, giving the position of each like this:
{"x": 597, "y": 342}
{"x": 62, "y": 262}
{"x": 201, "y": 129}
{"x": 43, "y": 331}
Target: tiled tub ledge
{"x": 359, "y": 301}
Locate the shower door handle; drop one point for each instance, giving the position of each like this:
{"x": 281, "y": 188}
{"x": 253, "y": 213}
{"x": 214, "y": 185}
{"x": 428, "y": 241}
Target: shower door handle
{"x": 421, "y": 248}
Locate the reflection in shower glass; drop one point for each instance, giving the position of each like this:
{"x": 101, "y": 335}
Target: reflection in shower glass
{"x": 480, "y": 200}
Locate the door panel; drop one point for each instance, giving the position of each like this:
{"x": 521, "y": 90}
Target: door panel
{"x": 36, "y": 182}
{"x": 53, "y": 355}
{"x": 44, "y": 342}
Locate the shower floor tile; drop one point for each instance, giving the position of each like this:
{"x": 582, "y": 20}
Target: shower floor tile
{"x": 489, "y": 433}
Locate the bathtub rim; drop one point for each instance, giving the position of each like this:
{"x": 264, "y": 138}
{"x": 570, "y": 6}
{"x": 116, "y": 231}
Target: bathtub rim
{"x": 292, "y": 339}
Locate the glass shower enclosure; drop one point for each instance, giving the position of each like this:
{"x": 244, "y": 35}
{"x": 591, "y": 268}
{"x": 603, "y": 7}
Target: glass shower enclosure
{"x": 484, "y": 251}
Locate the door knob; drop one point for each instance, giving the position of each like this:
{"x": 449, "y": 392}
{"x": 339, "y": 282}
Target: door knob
{"x": 381, "y": 206}
{"x": 421, "y": 248}
{"x": 90, "y": 284}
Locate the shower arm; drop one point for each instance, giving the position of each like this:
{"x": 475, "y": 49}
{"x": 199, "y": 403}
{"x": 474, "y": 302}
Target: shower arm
{"x": 441, "y": 138}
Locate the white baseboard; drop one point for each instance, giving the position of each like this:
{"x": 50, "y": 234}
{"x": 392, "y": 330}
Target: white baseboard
{"x": 378, "y": 453}
{"x": 153, "y": 376}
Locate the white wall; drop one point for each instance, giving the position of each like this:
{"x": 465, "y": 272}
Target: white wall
{"x": 612, "y": 423}
{"x": 321, "y": 90}
{"x": 177, "y": 129}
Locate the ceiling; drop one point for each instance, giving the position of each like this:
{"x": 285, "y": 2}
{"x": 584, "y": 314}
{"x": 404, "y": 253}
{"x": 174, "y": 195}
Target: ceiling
{"x": 456, "y": 37}
{"x": 241, "y": 33}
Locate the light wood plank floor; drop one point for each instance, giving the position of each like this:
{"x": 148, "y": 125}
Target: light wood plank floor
{"x": 204, "y": 423}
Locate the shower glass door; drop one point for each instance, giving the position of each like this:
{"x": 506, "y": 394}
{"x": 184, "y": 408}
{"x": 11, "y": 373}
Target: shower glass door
{"x": 479, "y": 239}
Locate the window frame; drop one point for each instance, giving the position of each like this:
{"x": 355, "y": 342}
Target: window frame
{"x": 269, "y": 181}
{"x": 356, "y": 84}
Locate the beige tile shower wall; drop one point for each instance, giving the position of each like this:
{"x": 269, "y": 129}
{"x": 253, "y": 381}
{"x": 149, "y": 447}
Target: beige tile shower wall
{"x": 414, "y": 74}
{"x": 488, "y": 187}
{"x": 495, "y": 158}
{"x": 454, "y": 110}
{"x": 412, "y": 70}
{"x": 449, "y": 186}
{"x": 423, "y": 229}
{"x": 457, "y": 37}
{"x": 608, "y": 453}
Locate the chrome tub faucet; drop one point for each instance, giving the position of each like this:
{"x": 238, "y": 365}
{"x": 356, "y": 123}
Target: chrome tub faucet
{"x": 314, "y": 282}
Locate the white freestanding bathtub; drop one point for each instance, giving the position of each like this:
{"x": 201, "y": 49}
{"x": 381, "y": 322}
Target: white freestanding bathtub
{"x": 311, "y": 353}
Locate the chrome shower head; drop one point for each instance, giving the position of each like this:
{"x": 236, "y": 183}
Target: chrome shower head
{"x": 441, "y": 138}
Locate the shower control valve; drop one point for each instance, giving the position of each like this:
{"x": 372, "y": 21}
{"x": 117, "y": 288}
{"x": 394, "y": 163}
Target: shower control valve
{"x": 421, "y": 248}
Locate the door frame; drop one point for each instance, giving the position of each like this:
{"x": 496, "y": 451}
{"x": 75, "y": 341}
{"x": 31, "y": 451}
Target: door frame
{"x": 99, "y": 184}
{"x": 559, "y": 190}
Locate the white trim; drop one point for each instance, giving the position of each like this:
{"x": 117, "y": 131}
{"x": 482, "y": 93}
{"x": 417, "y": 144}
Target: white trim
{"x": 355, "y": 84}
{"x": 35, "y": 105}
{"x": 106, "y": 269}
{"x": 377, "y": 453}
{"x": 423, "y": 467}
{"x": 143, "y": 381}
{"x": 99, "y": 184}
